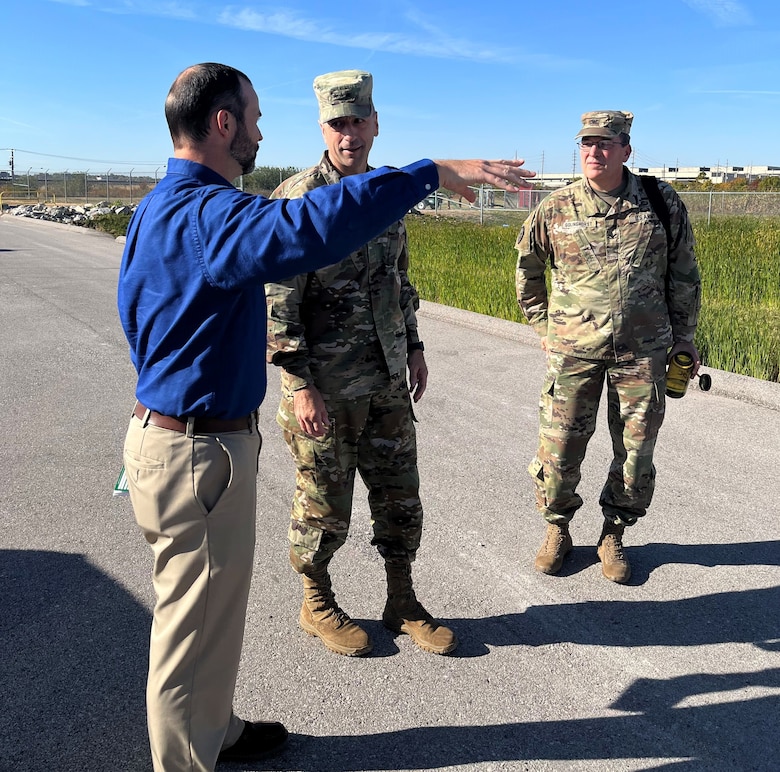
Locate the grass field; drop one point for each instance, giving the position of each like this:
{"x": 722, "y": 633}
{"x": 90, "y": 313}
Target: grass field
{"x": 469, "y": 266}
{"x": 460, "y": 263}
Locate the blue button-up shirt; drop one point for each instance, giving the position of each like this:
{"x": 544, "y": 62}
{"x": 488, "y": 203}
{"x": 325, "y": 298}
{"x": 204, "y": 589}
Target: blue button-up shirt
{"x": 197, "y": 255}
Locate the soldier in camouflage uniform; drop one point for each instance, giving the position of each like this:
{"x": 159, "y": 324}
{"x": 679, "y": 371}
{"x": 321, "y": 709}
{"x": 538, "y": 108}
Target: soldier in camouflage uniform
{"x": 343, "y": 338}
{"x": 623, "y": 299}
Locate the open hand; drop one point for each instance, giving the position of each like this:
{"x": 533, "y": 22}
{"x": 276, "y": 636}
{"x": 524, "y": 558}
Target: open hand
{"x": 458, "y": 176}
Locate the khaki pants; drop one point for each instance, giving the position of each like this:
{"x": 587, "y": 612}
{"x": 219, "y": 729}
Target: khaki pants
{"x": 194, "y": 498}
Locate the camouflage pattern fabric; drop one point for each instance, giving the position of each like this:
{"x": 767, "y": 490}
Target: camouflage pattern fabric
{"x": 567, "y": 420}
{"x": 606, "y": 123}
{"x": 614, "y": 294}
{"x": 343, "y": 93}
{"x": 375, "y": 436}
{"x": 344, "y": 328}
{"x": 617, "y": 302}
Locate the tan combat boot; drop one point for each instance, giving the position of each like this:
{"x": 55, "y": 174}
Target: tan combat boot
{"x": 614, "y": 565}
{"x": 405, "y": 614}
{"x": 557, "y": 544}
{"x": 322, "y": 618}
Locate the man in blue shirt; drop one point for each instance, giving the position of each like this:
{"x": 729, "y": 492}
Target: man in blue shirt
{"x": 191, "y": 302}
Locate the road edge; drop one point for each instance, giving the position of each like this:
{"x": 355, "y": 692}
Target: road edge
{"x": 740, "y": 387}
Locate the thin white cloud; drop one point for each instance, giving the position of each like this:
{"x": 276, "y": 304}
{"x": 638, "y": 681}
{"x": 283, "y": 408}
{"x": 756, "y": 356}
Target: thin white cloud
{"x": 738, "y": 91}
{"x": 183, "y": 10}
{"x": 12, "y": 122}
{"x": 175, "y": 9}
{"x": 434, "y": 43}
{"x": 294, "y": 25}
{"x": 724, "y": 13}
{"x": 425, "y": 40}
{"x": 178, "y": 10}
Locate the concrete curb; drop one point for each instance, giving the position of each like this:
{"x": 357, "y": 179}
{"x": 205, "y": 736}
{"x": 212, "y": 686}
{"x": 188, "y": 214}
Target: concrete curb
{"x": 741, "y": 387}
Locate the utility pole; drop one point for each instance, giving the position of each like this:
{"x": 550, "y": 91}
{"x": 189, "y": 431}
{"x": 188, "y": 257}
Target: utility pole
{"x": 11, "y": 164}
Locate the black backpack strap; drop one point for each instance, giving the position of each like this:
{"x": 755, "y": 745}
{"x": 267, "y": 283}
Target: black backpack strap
{"x": 654, "y": 195}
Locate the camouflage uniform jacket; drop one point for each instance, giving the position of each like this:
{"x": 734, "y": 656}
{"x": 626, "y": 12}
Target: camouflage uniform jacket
{"x": 614, "y": 294}
{"x": 343, "y": 328}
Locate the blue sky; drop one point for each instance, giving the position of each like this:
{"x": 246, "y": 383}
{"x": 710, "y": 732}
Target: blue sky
{"x": 83, "y": 82}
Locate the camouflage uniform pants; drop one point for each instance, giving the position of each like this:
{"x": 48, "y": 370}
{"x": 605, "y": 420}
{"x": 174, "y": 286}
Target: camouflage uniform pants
{"x": 567, "y": 419}
{"x": 375, "y": 436}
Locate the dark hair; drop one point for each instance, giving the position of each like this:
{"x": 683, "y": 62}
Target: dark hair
{"x": 624, "y": 138}
{"x": 197, "y": 94}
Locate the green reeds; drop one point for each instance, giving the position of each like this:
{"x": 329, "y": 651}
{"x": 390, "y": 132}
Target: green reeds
{"x": 469, "y": 266}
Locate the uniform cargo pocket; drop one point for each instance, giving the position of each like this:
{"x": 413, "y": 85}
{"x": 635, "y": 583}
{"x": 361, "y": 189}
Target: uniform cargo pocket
{"x": 303, "y": 535}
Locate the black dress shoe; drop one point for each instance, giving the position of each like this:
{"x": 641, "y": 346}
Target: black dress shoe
{"x": 259, "y": 739}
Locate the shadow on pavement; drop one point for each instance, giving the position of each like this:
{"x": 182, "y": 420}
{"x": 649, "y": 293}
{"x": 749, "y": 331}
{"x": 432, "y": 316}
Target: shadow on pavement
{"x": 73, "y": 649}
{"x": 740, "y": 735}
{"x": 747, "y": 616}
{"x": 699, "y": 721}
{"x": 647, "y": 558}
{"x": 73, "y": 659}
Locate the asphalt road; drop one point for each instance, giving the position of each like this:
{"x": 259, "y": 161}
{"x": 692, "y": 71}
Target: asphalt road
{"x": 678, "y": 670}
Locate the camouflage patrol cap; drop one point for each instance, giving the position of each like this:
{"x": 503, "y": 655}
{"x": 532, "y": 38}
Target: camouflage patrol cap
{"x": 605, "y": 123}
{"x": 343, "y": 93}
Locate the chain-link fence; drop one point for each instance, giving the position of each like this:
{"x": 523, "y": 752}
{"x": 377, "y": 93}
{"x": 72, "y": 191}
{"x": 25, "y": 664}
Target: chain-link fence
{"x": 492, "y": 205}
{"x": 75, "y": 187}
{"x": 711, "y": 204}
{"x": 497, "y": 206}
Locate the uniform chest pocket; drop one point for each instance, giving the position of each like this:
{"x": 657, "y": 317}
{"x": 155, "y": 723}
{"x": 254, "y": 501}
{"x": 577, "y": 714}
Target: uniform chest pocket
{"x": 586, "y": 250}
{"x": 643, "y": 240}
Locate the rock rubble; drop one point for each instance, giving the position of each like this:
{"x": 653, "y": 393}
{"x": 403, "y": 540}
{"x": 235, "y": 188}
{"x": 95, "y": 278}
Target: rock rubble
{"x": 70, "y": 215}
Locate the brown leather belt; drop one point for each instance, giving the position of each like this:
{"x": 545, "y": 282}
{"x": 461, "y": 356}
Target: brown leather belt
{"x": 201, "y": 425}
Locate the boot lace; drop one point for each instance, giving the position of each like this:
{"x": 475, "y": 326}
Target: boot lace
{"x": 334, "y": 612}
{"x": 613, "y": 548}
{"x": 555, "y": 539}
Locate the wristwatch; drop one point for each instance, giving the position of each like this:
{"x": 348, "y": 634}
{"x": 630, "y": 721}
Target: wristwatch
{"x": 419, "y": 346}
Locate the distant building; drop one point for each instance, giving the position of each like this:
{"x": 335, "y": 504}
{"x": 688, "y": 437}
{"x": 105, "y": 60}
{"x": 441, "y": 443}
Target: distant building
{"x": 716, "y": 174}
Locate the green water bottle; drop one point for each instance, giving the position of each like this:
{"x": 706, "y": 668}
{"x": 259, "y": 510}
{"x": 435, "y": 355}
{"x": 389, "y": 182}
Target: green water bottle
{"x": 678, "y": 375}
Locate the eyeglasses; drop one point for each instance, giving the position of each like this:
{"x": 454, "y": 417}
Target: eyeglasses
{"x": 601, "y": 144}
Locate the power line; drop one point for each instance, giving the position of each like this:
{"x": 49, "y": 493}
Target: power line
{"x": 85, "y": 160}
